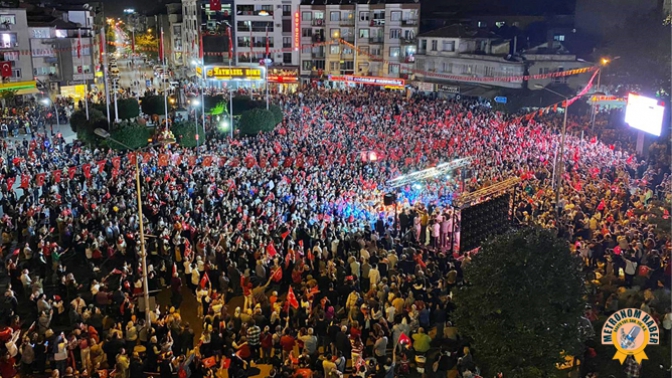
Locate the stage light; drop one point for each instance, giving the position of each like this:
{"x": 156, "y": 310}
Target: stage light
{"x": 417, "y": 186}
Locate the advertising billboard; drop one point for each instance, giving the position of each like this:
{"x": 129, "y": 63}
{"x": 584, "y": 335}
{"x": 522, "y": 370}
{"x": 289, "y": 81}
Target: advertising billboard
{"x": 645, "y": 114}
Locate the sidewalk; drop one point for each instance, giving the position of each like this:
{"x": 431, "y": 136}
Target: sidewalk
{"x": 64, "y": 129}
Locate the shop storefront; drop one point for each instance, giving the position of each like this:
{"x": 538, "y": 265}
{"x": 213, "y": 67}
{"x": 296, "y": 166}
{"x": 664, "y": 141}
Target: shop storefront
{"x": 234, "y": 77}
{"x": 344, "y": 81}
{"x": 284, "y": 79}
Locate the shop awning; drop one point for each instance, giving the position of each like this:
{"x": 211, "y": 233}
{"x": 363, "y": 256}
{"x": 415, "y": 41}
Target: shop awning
{"x": 28, "y": 91}
{"x": 18, "y": 85}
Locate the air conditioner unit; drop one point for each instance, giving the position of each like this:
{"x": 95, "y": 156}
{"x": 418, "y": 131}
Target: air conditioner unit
{"x": 278, "y": 25}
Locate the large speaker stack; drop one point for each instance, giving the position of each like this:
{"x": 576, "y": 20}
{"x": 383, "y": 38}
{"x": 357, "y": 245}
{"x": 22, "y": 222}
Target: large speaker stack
{"x": 480, "y": 221}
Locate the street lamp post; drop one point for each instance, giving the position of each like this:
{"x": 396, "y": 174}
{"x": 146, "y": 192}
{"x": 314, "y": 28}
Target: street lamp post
{"x": 559, "y": 155}
{"x": 145, "y": 286}
{"x": 593, "y": 114}
{"x": 48, "y": 102}
{"x": 196, "y": 104}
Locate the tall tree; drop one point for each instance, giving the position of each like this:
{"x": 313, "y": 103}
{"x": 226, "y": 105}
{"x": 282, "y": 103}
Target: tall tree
{"x": 522, "y": 304}
{"x": 642, "y": 44}
{"x": 147, "y": 43}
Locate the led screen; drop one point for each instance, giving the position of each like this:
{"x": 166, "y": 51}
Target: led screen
{"x": 645, "y": 114}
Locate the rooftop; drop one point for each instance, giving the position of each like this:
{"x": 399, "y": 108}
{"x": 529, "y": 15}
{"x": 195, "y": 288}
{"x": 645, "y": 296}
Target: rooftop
{"x": 459, "y": 31}
{"x": 360, "y": 2}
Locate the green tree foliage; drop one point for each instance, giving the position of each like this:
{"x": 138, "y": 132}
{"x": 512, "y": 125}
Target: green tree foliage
{"x": 241, "y": 104}
{"x": 642, "y": 44}
{"x": 133, "y": 135}
{"x": 277, "y": 113}
{"x": 255, "y": 120}
{"x": 110, "y": 37}
{"x": 153, "y": 105}
{"x": 522, "y": 304}
{"x": 8, "y": 96}
{"x": 148, "y": 44}
{"x": 185, "y": 133}
{"x": 84, "y": 128}
{"x": 128, "y": 108}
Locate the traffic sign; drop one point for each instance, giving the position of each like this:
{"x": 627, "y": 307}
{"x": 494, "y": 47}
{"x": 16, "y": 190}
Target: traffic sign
{"x": 500, "y": 99}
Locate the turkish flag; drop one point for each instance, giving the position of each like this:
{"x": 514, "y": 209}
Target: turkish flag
{"x": 25, "y": 181}
{"x": 6, "y": 69}
{"x": 403, "y": 339}
{"x": 222, "y": 161}
{"x": 291, "y": 298}
{"x": 132, "y": 157}
{"x": 86, "y": 168}
{"x": 163, "y": 160}
{"x": 215, "y": 5}
{"x": 71, "y": 172}
{"x": 204, "y": 280}
{"x": 116, "y": 162}
{"x": 10, "y": 182}
{"x": 56, "y": 175}
{"x": 40, "y": 179}
{"x": 115, "y": 172}
{"x": 191, "y": 160}
{"x": 207, "y": 161}
{"x": 146, "y": 157}
{"x": 101, "y": 166}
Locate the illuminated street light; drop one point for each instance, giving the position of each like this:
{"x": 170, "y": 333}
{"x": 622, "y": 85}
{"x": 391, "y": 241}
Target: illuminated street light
{"x": 195, "y": 103}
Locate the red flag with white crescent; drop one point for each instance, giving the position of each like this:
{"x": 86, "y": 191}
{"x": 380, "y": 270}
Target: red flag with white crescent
{"x": 200, "y": 46}
{"x": 291, "y": 298}
{"x": 228, "y": 32}
{"x": 79, "y": 43}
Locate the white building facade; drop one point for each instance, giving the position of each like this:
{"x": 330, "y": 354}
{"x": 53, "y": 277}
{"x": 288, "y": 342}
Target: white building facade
{"x": 257, "y": 20}
{"x": 378, "y": 38}
{"x": 15, "y": 44}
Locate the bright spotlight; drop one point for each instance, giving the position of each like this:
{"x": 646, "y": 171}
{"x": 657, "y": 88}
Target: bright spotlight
{"x": 417, "y": 186}
{"x": 224, "y": 125}
{"x": 195, "y": 103}
{"x": 46, "y": 101}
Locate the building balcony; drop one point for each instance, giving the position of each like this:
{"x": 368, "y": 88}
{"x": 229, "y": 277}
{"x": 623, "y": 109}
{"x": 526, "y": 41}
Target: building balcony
{"x": 318, "y": 22}
{"x": 376, "y": 40}
{"x": 377, "y": 22}
{"x": 409, "y": 41}
{"x": 318, "y": 55}
{"x": 349, "y": 39}
{"x": 317, "y": 38}
{"x": 409, "y": 22}
{"x": 347, "y": 22}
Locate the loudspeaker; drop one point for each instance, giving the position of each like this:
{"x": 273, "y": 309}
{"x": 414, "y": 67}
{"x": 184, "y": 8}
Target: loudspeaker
{"x": 390, "y": 199}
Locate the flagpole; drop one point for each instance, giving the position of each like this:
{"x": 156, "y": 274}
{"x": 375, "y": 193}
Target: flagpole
{"x": 105, "y": 76}
{"x": 268, "y": 59}
{"x": 79, "y": 58}
{"x": 201, "y": 52}
{"x": 231, "y": 81}
{"x": 165, "y": 72}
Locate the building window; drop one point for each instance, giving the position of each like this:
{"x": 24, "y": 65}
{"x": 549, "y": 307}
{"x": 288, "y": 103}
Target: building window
{"x": 395, "y": 33}
{"x": 499, "y": 24}
{"x": 559, "y": 37}
{"x": 423, "y": 46}
{"x": 363, "y": 16}
{"x": 434, "y": 45}
{"x": 319, "y": 15}
{"x": 347, "y": 51}
{"x": 286, "y": 42}
{"x": 286, "y": 10}
{"x": 307, "y": 65}
{"x": 41, "y": 33}
{"x": 363, "y": 33}
{"x": 348, "y": 65}
{"x": 362, "y": 67}
{"x": 466, "y": 69}
{"x": 364, "y": 50}
{"x": 335, "y": 16}
{"x": 9, "y": 40}
{"x": 395, "y": 16}
{"x": 448, "y": 46}
{"x": 17, "y": 72}
{"x": 447, "y": 67}
{"x": 334, "y": 49}
{"x": 333, "y": 66}
{"x": 287, "y": 58}
{"x": 286, "y": 26}
{"x": 7, "y": 19}
{"x": 307, "y": 16}
{"x": 375, "y": 51}
{"x": 393, "y": 69}
{"x": 482, "y": 24}
{"x": 394, "y": 52}
{"x": 307, "y": 32}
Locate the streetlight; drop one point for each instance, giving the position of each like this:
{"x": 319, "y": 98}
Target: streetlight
{"x": 604, "y": 62}
{"x": 559, "y": 155}
{"x": 145, "y": 286}
{"x": 46, "y": 101}
{"x": 196, "y": 103}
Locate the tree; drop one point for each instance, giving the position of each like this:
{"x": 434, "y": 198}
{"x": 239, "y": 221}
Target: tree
{"x": 153, "y": 105}
{"x": 522, "y": 304}
{"x": 128, "y": 108}
{"x": 277, "y": 113}
{"x": 8, "y": 96}
{"x": 110, "y": 37}
{"x": 84, "y": 128}
{"x": 147, "y": 43}
{"x": 242, "y": 104}
{"x": 185, "y": 133}
{"x": 255, "y": 120}
{"x": 642, "y": 44}
{"x": 133, "y": 135}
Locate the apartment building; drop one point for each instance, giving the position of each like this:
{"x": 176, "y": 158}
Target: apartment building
{"x": 14, "y": 44}
{"x": 257, "y": 20}
{"x": 63, "y": 52}
{"x": 199, "y": 21}
{"x": 378, "y": 37}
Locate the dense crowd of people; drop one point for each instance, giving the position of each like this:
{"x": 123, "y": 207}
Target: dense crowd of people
{"x": 293, "y": 222}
